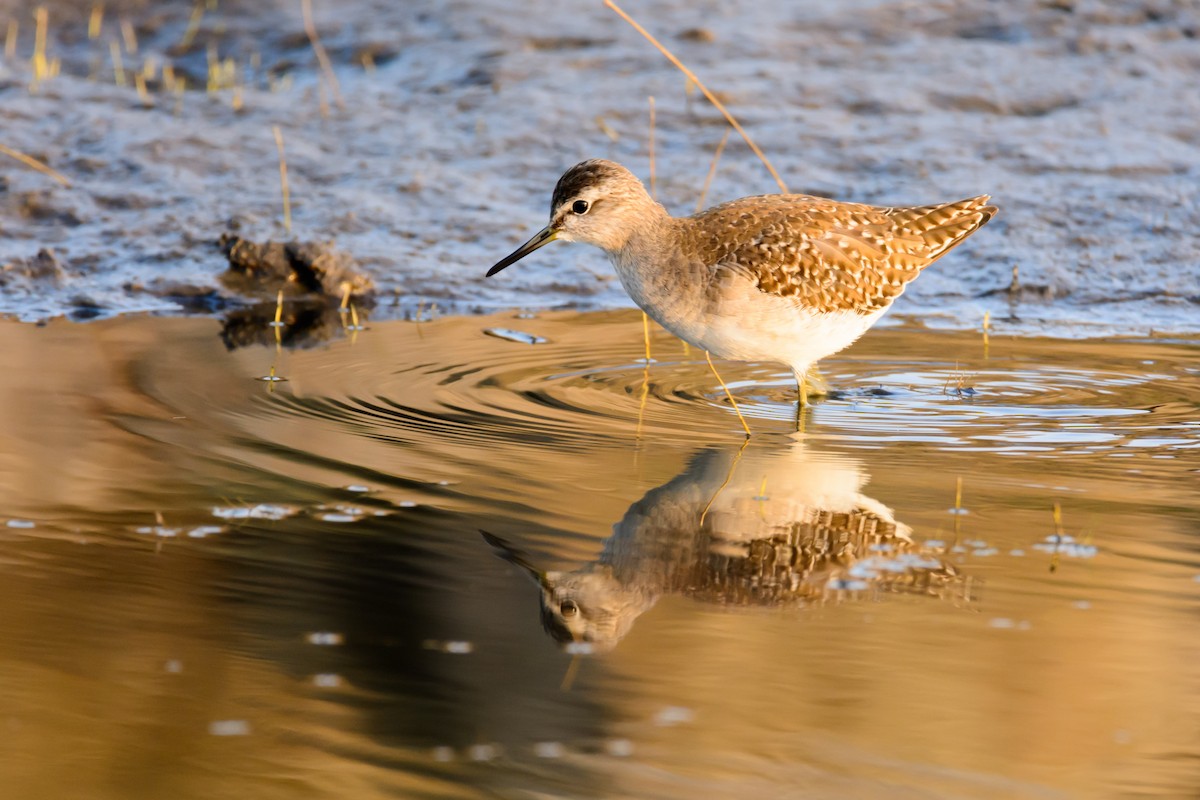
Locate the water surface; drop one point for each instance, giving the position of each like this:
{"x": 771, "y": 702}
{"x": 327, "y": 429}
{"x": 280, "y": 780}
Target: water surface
{"x": 219, "y": 586}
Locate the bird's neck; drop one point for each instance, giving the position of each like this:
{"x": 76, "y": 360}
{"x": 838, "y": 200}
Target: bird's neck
{"x": 656, "y": 273}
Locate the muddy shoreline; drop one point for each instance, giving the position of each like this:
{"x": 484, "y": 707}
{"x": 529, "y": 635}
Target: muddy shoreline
{"x": 437, "y": 149}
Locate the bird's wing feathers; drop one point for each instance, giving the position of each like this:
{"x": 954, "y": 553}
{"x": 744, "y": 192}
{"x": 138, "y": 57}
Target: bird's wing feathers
{"x": 831, "y": 256}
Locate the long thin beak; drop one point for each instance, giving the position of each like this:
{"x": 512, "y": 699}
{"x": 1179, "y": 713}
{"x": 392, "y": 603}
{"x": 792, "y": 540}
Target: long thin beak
{"x": 514, "y": 556}
{"x": 543, "y": 237}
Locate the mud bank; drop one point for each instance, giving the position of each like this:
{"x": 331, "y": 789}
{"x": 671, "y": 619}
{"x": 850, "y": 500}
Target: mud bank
{"x": 436, "y": 151}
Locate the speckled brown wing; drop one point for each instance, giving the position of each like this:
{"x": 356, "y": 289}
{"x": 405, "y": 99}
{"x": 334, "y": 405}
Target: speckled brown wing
{"x": 831, "y": 256}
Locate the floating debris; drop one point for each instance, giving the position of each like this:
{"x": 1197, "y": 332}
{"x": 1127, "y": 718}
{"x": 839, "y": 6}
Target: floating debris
{"x": 520, "y": 337}
{"x": 1066, "y": 546}
{"x": 162, "y": 531}
{"x": 483, "y": 752}
{"x": 260, "y": 511}
{"x": 442, "y": 753}
{"x": 325, "y": 638}
{"x": 21, "y": 523}
{"x": 201, "y": 531}
{"x": 229, "y": 727}
{"x": 549, "y": 750}
{"x": 334, "y": 516}
{"x": 454, "y": 647}
{"x": 844, "y": 585}
{"x": 1004, "y": 623}
{"x": 621, "y": 748}
{"x": 173, "y": 666}
{"x": 327, "y": 680}
{"x": 673, "y": 715}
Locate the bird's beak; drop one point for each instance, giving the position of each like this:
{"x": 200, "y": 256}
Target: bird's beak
{"x": 543, "y": 237}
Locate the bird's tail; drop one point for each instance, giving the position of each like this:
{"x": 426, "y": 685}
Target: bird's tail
{"x": 943, "y": 226}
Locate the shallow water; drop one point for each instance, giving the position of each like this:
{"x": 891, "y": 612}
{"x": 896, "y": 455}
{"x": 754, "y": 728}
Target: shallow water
{"x": 219, "y": 586}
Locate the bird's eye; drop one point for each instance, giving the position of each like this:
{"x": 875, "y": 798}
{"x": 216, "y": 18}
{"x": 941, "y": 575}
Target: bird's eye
{"x": 580, "y": 206}
{"x": 568, "y": 608}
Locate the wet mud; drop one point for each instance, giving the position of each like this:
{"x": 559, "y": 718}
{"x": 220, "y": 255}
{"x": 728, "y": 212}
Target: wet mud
{"x": 436, "y": 149}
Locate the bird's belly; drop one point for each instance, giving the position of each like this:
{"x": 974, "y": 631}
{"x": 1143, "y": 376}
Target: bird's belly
{"x": 771, "y": 328}
{"x": 734, "y": 319}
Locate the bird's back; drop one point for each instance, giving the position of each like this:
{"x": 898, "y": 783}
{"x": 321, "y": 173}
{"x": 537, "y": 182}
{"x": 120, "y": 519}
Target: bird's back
{"x": 828, "y": 255}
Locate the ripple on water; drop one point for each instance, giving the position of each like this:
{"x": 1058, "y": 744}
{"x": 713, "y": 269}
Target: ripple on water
{"x": 586, "y": 386}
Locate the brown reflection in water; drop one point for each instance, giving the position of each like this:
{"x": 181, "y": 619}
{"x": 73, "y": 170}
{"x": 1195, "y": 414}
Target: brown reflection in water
{"x": 294, "y": 324}
{"x": 1089, "y": 681}
{"x": 758, "y": 527}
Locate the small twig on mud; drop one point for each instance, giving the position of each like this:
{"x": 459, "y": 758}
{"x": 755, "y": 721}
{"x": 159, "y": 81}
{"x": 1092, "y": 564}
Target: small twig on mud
{"x": 711, "y": 97}
{"x": 322, "y": 56}
{"x": 33, "y": 163}
{"x": 283, "y": 180}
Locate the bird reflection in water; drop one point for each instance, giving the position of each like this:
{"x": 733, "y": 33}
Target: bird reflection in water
{"x": 751, "y": 527}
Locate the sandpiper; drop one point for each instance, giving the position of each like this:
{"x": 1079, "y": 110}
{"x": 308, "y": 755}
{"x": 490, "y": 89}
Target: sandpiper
{"x": 790, "y": 278}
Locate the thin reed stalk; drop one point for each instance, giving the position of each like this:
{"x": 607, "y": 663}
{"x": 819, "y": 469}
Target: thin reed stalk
{"x": 283, "y": 180}
{"x": 322, "y": 57}
{"x": 704, "y": 89}
{"x": 33, "y": 163}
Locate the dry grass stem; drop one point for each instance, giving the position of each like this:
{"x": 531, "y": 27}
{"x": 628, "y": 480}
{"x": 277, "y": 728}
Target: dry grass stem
{"x": 193, "y": 27}
{"x": 10, "y": 40}
{"x": 143, "y": 95}
{"x": 712, "y": 171}
{"x": 646, "y": 334}
{"x": 700, "y": 84}
{"x": 130, "y": 37}
{"x": 40, "y": 69}
{"x": 278, "y": 323}
{"x": 33, "y": 163}
{"x": 322, "y": 56}
{"x": 606, "y": 129}
{"x": 283, "y": 180}
{"x": 653, "y": 181}
{"x": 114, "y": 49}
{"x": 95, "y": 21}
